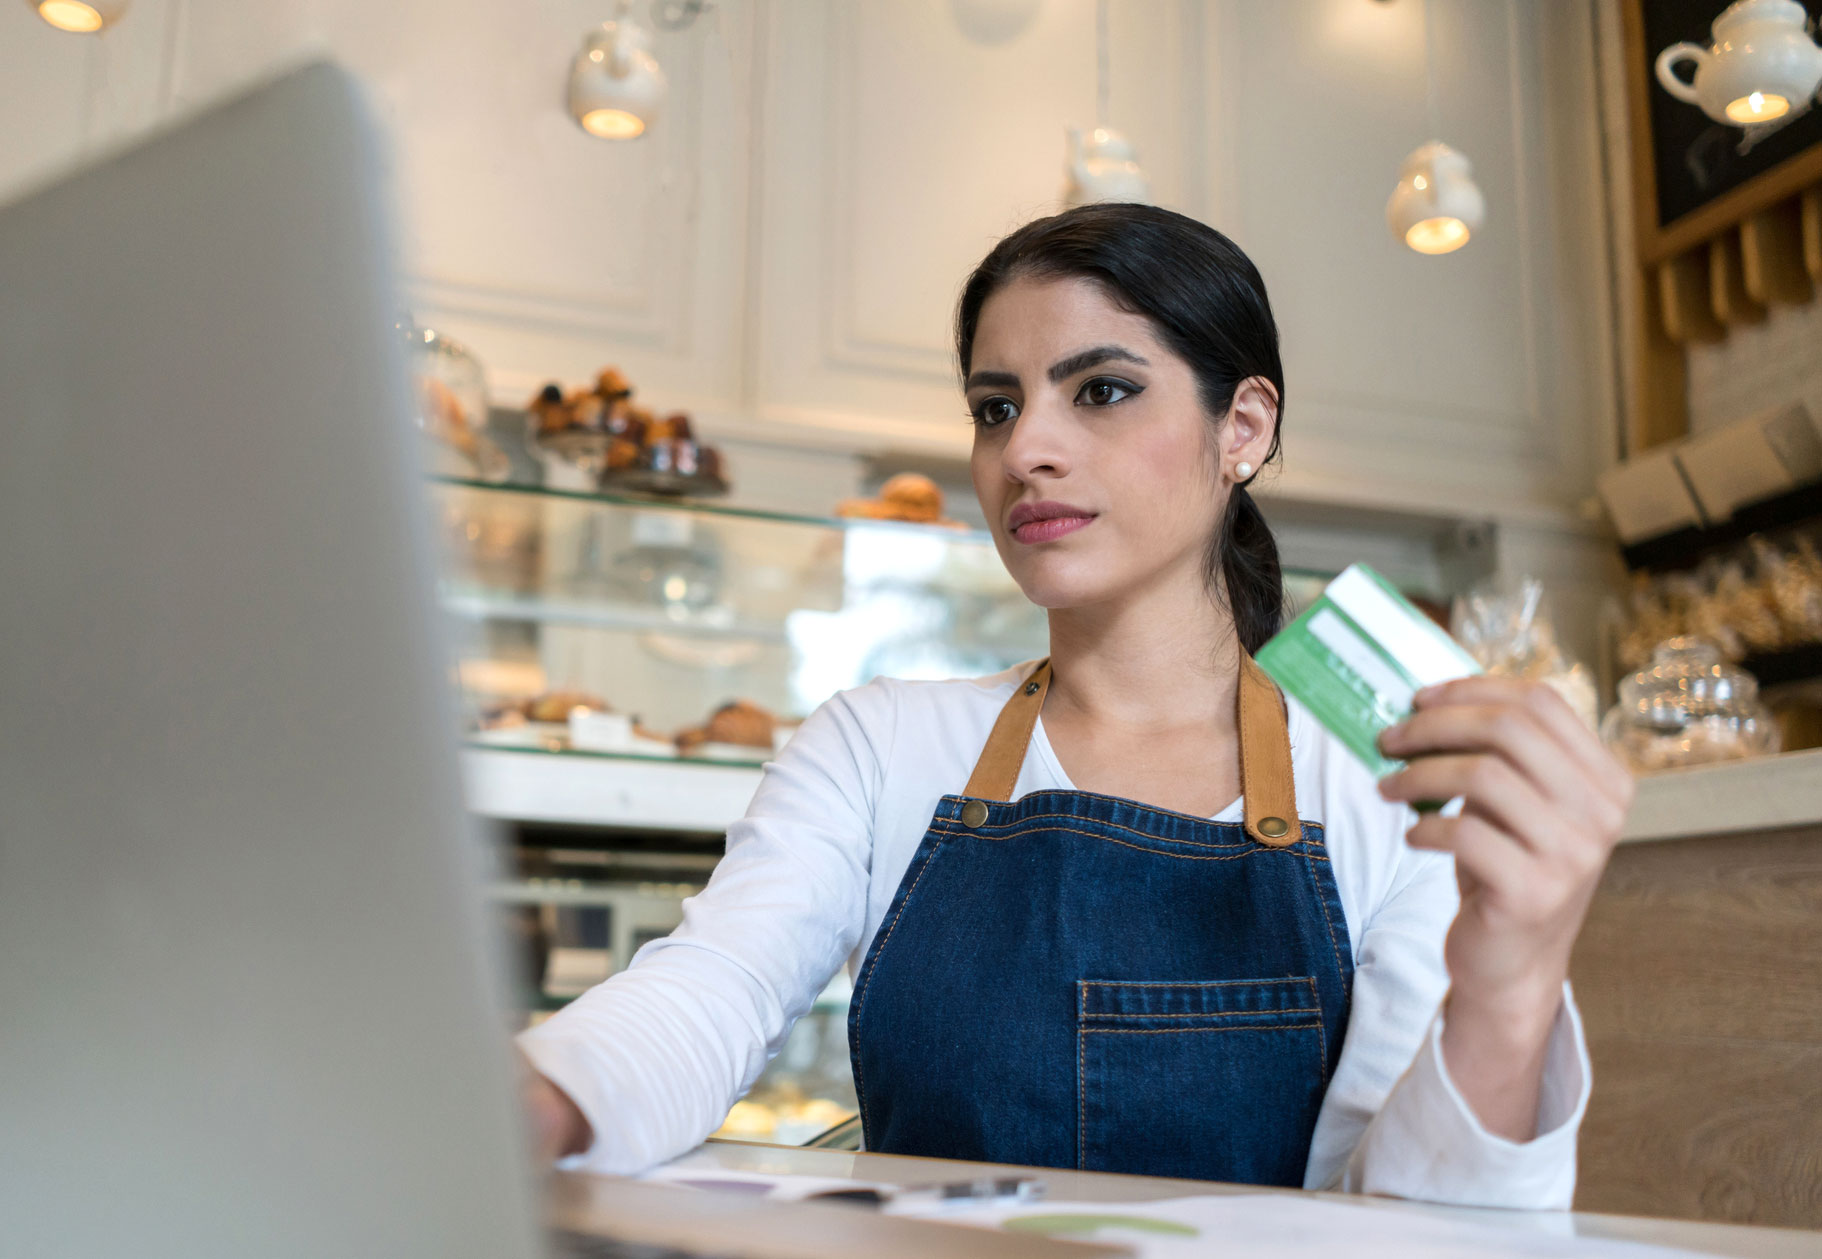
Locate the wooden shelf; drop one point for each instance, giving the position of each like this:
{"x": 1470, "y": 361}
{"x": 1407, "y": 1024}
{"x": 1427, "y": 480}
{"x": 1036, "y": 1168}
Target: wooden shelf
{"x": 1685, "y": 548}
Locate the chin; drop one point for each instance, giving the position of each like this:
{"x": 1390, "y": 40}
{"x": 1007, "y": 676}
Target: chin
{"x": 1055, "y": 581}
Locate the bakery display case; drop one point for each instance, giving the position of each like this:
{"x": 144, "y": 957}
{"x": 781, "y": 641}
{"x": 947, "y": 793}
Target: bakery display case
{"x": 605, "y": 625}
{"x": 628, "y": 662}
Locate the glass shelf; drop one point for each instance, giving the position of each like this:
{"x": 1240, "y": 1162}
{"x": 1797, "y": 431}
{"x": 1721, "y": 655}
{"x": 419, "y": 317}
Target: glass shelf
{"x": 482, "y": 605}
{"x": 693, "y": 506}
{"x": 667, "y": 610}
{"x": 757, "y": 761}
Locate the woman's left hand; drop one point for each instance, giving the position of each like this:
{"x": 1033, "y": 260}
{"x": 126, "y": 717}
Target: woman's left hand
{"x": 1543, "y": 805}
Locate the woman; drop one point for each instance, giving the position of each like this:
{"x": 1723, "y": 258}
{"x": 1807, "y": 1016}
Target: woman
{"x": 1271, "y": 971}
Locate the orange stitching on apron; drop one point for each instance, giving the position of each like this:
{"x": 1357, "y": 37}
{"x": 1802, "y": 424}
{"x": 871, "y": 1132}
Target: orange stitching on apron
{"x": 1190, "y": 1031}
{"x": 860, "y": 995}
{"x": 1254, "y": 850}
{"x": 1322, "y": 902}
{"x": 1081, "y": 1081}
{"x": 1209, "y": 983}
{"x": 1130, "y": 830}
{"x": 1101, "y": 795}
{"x": 1212, "y": 1014}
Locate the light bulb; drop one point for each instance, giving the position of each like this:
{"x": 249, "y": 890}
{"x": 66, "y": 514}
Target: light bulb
{"x": 1436, "y": 207}
{"x": 83, "y": 17}
{"x": 1758, "y": 107}
{"x": 616, "y": 87}
{"x": 1441, "y": 235}
{"x": 612, "y": 124}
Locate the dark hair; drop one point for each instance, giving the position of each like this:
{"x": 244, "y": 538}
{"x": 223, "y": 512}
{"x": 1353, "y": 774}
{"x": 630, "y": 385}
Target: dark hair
{"x": 1208, "y": 304}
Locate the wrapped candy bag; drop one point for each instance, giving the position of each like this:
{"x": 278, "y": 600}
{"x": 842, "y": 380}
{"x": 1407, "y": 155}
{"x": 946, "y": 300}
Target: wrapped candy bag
{"x": 1510, "y": 634}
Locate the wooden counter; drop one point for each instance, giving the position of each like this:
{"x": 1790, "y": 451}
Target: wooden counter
{"x": 591, "y": 1203}
{"x": 1699, "y": 975}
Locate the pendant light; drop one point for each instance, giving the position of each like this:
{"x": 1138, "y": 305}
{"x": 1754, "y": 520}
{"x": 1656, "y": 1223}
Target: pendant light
{"x": 1102, "y": 165}
{"x": 1762, "y": 67}
{"x": 1436, "y": 207}
{"x": 616, "y": 87}
{"x": 83, "y": 17}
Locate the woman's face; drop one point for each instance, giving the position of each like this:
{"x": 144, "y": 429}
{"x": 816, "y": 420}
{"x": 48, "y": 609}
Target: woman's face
{"x": 1098, "y": 469}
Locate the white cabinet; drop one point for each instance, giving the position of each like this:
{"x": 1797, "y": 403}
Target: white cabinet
{"x": 782, "y": 252}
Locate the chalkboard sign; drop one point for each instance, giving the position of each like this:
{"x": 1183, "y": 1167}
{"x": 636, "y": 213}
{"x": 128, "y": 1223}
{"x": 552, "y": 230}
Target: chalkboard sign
{"x": 1694, "y": 162}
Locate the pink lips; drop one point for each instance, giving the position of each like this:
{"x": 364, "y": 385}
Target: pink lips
{"x": 1046, "y": 521}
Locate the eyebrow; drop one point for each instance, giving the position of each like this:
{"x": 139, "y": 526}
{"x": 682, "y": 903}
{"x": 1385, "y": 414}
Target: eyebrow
{"x": 1063, "y": 369}
{"x": 1060, "y": 370}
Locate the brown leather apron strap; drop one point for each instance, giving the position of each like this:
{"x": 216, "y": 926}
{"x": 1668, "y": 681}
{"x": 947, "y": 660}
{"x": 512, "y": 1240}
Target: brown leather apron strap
{"x": 1266, "y": 781}
{"x": 997, "y": 772}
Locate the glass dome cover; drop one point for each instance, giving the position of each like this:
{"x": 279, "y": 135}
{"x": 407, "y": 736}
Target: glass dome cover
{"x": 1688, "y": 707}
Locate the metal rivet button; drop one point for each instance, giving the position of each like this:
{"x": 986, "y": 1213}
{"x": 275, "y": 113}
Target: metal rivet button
{"x": 1273, "y": 827}
{"x": 1031, "y": 688}
{"x": 974, "y": 813}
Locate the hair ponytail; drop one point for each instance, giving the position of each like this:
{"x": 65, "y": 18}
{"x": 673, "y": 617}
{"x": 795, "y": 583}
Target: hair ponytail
{"x": 1208, "y": 304}
{"x": 1244, "y": 559}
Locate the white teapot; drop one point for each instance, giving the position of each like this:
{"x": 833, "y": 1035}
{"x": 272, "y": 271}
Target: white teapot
{"x": 1103, "y": 166}
{"x": 1763, "y": 64}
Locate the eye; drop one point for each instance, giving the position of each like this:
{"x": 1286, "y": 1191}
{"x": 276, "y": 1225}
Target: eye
{"x": 995, "y": 411}
{"x": 1104, "y": 391}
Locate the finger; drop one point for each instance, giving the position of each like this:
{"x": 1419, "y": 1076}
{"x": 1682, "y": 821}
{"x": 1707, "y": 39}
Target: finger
{"x": 1481, "y": 849}
{"x": 1514, "y": 732}
{"x": 1551, "y": 712}
{"x": 1488, "y": 785}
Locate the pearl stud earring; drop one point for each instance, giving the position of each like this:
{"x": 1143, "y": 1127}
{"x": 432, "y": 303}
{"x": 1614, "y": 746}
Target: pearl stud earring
{"x": 1243, "y": 471}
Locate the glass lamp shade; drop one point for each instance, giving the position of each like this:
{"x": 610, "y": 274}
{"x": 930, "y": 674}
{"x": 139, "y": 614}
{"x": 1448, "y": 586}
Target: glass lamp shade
{"x": 82, "y": 17}
{"x": 616, "y": 87}
{"x": 1436, "y": 206}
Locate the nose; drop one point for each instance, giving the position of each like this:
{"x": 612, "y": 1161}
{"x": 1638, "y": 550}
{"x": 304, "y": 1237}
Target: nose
{"x": 1038, "y": 444}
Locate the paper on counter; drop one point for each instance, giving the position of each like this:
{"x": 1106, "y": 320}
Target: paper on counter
{"x": 773, "y": 1186}
{"x": 1288, "y": 1226}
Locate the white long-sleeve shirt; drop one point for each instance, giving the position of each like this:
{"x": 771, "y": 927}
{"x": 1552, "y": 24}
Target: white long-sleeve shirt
{"x": 656, "y": 1054}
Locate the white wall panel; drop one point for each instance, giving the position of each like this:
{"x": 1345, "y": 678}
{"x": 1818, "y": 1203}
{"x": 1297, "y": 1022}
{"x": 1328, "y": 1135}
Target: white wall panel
{"x": 783, "y": 251}
{"x": 1429, "y": 376}
{"x": 549, "y": 251}
{"x": 898, "y": 149}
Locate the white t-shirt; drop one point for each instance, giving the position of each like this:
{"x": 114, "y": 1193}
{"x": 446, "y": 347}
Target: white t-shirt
{"x": 656, "y": 1054}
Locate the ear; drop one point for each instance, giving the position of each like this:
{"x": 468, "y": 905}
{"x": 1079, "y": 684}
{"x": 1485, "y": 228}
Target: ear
{"x": 1252, "y": 422}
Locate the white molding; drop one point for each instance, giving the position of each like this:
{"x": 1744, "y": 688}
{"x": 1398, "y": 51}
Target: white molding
{"x": 1521, "y": 215}
{"x": 841, "y": 343}
{"x": 630, "y": 315}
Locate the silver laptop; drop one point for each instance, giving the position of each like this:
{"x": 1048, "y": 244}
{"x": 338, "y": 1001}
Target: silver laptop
{"x": 245, "y": 1007}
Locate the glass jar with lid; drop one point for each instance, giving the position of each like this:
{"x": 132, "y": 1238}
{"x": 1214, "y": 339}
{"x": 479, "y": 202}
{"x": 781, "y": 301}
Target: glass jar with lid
{"x": 450, "y": 400}
{"x": 1688, "y": 707}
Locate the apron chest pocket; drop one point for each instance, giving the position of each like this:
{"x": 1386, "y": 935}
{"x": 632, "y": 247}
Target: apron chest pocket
{"x": 1183, "y": 1078}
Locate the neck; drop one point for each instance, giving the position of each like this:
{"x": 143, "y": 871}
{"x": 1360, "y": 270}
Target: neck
{"x": 1164, "y": 658}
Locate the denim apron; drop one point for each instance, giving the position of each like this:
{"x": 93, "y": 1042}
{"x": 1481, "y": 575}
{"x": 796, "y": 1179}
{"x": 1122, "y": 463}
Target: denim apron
{"x": 1078, "y": 980}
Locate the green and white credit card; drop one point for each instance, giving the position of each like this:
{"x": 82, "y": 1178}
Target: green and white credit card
{"x": 1357, "y": 656}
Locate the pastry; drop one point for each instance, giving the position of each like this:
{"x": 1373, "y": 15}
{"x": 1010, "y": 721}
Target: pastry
{"x": 587, "y": 409}
{"x": 915, "y": 497}
{"x": 739, "y": 722}
{"x": 865, "y": 509}
{"x": 909, "y": 496}
{"x": 611, "y": 385}
{"x": 622, "y": 453}
{"x": 557, "y": 705}
{"x": 552, "y": 412}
